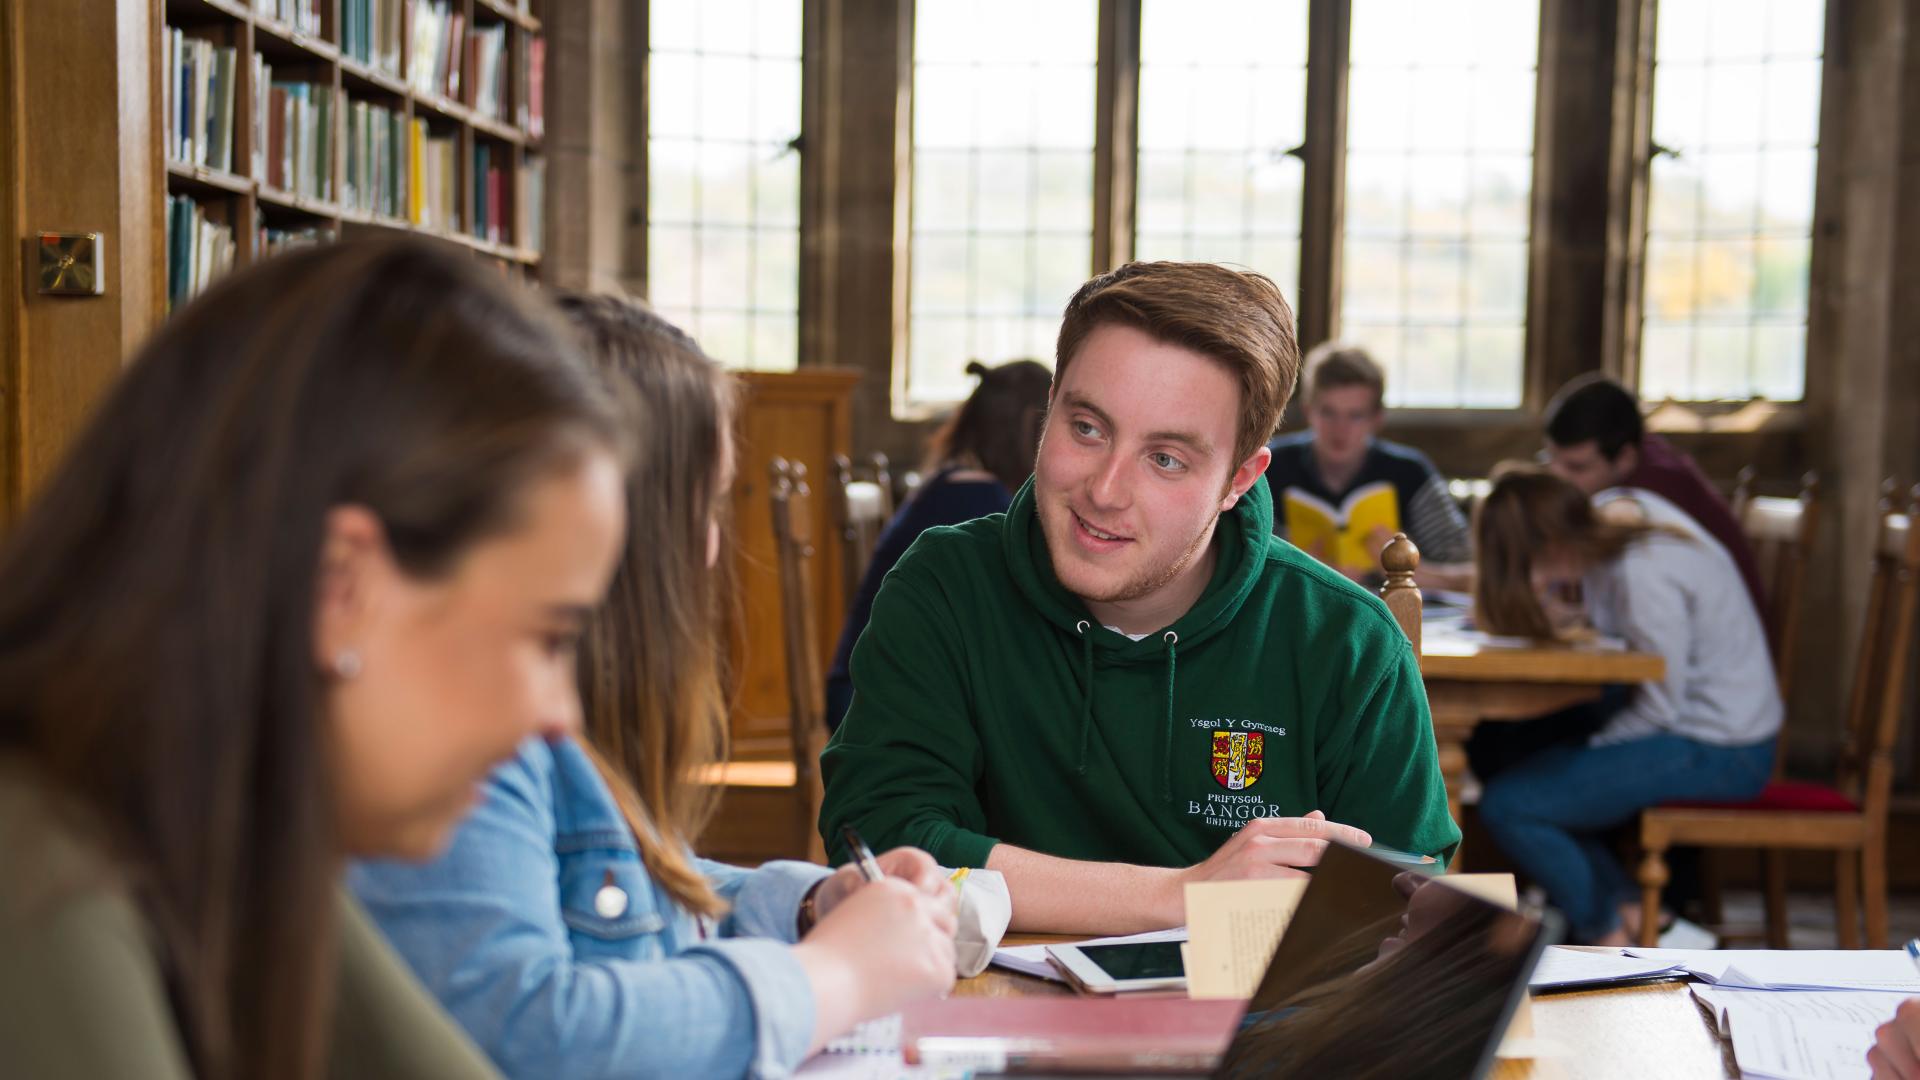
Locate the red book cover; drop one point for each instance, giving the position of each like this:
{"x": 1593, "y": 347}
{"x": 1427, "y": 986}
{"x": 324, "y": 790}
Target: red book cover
{"x": 536, "y": 87}
{"x": 276, "y": 138}
{"x": 456, "y": 36}
{"x": 1165, "y": 1033}
{"x": 473, "y": 64}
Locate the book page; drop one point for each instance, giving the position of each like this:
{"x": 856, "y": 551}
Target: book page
{"x": 1233, "y": 928}
{"x": 1311, "y": 524}
{"x": 1370, "y": 507}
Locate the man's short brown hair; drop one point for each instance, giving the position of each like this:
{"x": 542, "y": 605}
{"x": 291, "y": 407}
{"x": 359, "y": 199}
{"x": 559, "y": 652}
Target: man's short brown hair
{"x": 1334, "y": 364}
{"x": 1235, "y": 317}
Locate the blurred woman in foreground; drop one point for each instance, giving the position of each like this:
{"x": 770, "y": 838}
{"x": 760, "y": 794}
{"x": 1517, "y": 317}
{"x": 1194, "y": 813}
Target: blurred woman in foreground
{"x": 318, "y": 563}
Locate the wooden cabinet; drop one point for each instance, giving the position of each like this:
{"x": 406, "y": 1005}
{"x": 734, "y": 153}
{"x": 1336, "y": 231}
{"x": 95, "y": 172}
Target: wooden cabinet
{"x": 803, "y": 416}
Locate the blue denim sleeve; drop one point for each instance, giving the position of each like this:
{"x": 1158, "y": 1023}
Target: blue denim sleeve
{"x": 483, "y": 927}
{"x": 763, "y": 903}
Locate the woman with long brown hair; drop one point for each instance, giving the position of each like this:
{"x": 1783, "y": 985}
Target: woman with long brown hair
{"x": 317, "y": 564}
{"x": 1639, "y": 569}
{"x": 569, "y": 928}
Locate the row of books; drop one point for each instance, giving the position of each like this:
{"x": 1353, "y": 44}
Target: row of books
{"x": 378, "y": 156}
{"x": 299, "y": 144}
{"x": 487, "y": 55}
{"x": 433, "y": 66}
{"x": 302, "y": 15}
{"x": 436, "y": 184}
{"x": 199, "y": 249}
{"x": 198, "y": 100}
{"x": 370, "y": 33}
{"x": 273, "y": 241}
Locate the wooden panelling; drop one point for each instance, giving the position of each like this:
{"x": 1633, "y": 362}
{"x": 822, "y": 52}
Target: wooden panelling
{"x": 1323, "y": 198}
{"x": 83, "y": 134}
{"x": 803, "y": 416}
{"x": 1116, "y": 134}
{"x": 10, "y": 262}
{"x": 1566, "y": 295}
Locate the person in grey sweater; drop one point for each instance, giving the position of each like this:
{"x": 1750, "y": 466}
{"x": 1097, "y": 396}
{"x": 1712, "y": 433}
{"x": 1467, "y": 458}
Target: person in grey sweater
{"x": 1637, "y": 568}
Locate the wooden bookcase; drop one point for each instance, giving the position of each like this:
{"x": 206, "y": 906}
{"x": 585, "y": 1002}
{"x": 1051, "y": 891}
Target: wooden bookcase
{"x": 238, "y": 198}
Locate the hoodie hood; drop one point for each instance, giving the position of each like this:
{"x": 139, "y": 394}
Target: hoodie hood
{"x": 1240, "y": 535}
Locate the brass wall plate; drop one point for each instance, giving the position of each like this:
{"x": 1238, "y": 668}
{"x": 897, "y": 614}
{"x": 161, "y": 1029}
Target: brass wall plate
{"x": 71, "y": 264}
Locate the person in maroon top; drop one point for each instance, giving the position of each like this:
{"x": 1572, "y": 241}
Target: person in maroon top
{"x": 1597, "y": 440}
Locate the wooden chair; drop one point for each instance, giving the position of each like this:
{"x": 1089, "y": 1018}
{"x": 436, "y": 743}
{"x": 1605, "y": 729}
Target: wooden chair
{"x": 1781, "y": 532}
{"x": 1848, "y": 818}
{"x": 771, "y": 809}
{"x": 1399, "y": 559}
{"x": 862, "y": 508}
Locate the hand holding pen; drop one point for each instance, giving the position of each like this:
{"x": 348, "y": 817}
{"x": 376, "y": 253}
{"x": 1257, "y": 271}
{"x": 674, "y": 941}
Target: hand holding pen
{"x": 910, "y": 865}
{"x": 884, "y": 937}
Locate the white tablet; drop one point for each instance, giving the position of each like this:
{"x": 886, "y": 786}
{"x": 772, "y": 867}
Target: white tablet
{"x": 1112, "y": 969}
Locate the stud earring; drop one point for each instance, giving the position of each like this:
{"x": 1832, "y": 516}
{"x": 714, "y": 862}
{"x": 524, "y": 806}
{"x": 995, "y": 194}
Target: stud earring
{"x": 346, "y": 663}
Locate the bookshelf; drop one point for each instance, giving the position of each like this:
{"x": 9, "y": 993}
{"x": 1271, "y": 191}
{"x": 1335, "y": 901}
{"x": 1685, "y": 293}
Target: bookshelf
{"x": 287, "y": 122}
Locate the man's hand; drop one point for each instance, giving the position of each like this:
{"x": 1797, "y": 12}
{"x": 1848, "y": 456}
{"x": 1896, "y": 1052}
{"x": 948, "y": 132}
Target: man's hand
{"x": 1269, "y": 848}
{"x": 1896, "y": 1046}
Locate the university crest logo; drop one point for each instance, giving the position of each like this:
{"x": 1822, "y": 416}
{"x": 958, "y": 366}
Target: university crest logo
{"x": 1237, "y": 757}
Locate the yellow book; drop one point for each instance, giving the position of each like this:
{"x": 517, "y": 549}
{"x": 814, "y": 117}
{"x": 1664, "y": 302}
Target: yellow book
{"x": 417, "y": 177}
{"x": 1339, "y": 535}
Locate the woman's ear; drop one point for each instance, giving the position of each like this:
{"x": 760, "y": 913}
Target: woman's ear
{"x": 354, "y": 558}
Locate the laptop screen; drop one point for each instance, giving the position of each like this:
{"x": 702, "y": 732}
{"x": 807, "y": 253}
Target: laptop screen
{"x": 1386, "y": 972}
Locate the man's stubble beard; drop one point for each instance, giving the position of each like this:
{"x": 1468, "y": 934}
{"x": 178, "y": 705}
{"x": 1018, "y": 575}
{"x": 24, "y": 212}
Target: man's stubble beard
{"x": 1151, "y": 579}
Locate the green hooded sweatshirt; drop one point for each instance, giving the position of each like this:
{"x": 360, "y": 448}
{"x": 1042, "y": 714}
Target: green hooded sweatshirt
{"x": 990, "y": 706}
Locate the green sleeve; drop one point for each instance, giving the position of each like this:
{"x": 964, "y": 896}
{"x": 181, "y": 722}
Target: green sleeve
{"x": 1380, "y": 769}
{"x": 81, "y": 993}
{"x": 385, "y": 1024}
{"x": 904, "y": 765}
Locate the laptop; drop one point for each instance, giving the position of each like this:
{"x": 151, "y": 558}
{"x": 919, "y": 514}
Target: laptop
{"x": 1382, "y": 972}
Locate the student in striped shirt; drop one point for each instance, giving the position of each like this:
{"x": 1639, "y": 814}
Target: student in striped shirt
{"x": 1341, "y": 452}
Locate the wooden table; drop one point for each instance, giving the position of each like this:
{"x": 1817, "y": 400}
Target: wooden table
{"x": 1470, "y": 681}
{"x": 1632, "y": 1032}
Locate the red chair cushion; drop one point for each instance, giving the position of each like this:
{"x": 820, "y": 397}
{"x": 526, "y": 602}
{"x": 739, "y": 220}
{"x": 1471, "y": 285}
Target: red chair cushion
{"x": 1784, "y": 795}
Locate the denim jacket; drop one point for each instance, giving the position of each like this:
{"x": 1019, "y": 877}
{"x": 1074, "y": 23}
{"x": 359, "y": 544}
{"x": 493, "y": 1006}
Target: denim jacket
{"x": 504, "y": 930}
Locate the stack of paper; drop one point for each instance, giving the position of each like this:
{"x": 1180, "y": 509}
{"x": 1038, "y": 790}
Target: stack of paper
{"x": 1796, "y": 1034}
{"x": 1567, "y": 969}
{"x": 1812, "y": 969}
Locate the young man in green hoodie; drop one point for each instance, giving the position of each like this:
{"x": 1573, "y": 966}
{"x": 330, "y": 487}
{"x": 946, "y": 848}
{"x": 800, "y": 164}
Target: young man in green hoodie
{"x": 1126, "y": 683}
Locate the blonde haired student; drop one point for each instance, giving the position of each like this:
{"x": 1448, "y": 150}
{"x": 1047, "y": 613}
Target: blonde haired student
{"x": 569, "y": 928}
{"x": 317, "y": 564}
{"x": 1644, "y": 571}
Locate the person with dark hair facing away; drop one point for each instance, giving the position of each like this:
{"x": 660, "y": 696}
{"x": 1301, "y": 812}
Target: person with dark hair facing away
{"x": 974, "y": 464}
{"x": 1126, "y": 682}
{"x": 318, "y": 563}
{"x": 570, "y": 928}
{"x": 1596, "y": 439}
{"x": 1640, "y": 569}
{"x": 1340, "y": 462}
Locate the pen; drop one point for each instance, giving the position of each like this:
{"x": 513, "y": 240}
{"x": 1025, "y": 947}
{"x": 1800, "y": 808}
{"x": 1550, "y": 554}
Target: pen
{"x": 1913, "y": 952}
{"x": 862, "y": 854}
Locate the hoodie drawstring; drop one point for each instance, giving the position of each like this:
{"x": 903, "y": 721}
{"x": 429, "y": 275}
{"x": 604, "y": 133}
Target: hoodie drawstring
{"x": 1166, "y": 750}
{"x": 1086, "y": 703}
